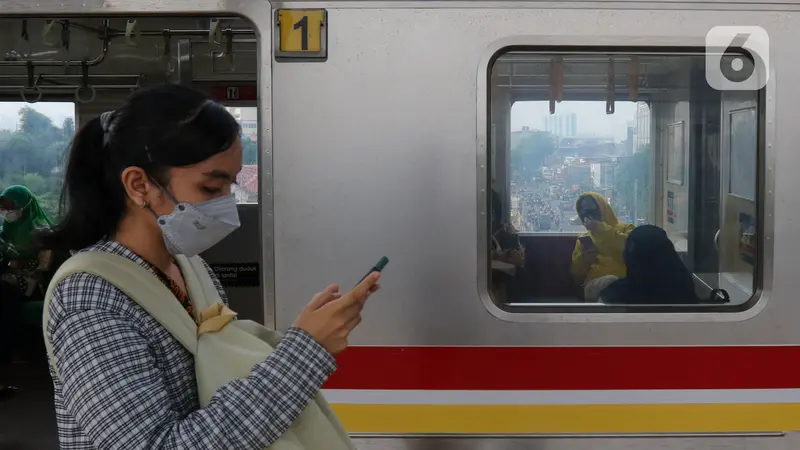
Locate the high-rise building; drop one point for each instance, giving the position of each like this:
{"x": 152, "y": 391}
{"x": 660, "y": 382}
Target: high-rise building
{"x": 642, "y": 126}
{"x": 247, "y": 117}
{"x": 561, "y": 125}
{"x": 630, "y": 136}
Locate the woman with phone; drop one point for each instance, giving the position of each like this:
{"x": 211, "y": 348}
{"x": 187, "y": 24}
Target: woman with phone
{"x": 597, "y": 258}
{"x": 147, "y": 182}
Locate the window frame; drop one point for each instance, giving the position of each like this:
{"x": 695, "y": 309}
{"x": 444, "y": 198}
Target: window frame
{"x": 585, "y": 312}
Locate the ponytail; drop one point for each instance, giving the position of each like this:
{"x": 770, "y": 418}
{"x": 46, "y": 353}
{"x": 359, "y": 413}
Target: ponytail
{"x": 158, "y": 128}
{"x": 92, "y": 201}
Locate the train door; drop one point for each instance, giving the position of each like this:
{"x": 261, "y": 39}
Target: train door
{"x": 736, "y": 239}
{"x": 237, "y": 259}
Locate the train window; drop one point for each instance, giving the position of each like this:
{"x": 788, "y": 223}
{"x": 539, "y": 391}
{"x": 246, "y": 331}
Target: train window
{"x": 246, "y": 187}
{"x": 33, "y": 141}
{"x": 96, "y": 63}
{"x": 620, "y": 181}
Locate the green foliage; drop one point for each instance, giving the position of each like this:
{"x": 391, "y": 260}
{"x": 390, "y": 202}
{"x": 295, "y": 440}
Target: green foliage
{"x": 33, "y": 156}
{"x": 530, "y": 154}
{"x": 633, "y": 183}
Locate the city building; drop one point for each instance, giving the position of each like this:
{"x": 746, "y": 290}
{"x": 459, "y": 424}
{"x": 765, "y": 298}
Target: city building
{"x": 642, "y": 126}
{"x": 561, "y": 125}
{"x": 247, "y": 116}
{"x": 630, "y": 138}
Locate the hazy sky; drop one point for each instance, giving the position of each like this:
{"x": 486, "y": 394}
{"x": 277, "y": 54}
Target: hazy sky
{"x": 592, "y": 117}
{"x": 57, "y": 111}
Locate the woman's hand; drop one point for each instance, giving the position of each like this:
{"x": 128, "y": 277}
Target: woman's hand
{"x": 594, "y": 226}
{"x": 330, "y": 317}
{"x": 511, "y": 257}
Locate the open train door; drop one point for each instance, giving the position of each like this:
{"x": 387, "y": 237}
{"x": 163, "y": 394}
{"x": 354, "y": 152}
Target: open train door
{"x": 736, "y": 239}
{"x": 237, "y": 259}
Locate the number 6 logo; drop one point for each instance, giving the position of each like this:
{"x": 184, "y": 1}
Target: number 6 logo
{"x": 737, "y": 58}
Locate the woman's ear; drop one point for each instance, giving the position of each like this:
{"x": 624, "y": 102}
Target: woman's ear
{"x": 137, "y": 185}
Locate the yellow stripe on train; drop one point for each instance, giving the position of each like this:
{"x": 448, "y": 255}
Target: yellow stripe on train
{"x": 569, "y": 419}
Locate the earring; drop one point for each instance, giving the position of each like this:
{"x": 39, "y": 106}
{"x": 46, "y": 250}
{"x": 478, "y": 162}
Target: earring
{"x": 144, "y": 205}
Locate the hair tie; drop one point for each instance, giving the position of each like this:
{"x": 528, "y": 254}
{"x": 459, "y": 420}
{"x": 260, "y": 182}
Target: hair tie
{"x": 106, "y": 123}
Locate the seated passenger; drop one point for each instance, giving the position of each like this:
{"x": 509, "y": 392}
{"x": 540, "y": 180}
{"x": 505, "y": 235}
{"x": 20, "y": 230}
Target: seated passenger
{"x": 22, "y": 265}
{"x": 508, "y": 254}
{"x": 597, "y": 258}
{"x": 656, "y": 274}
{"x": 23, "y": 218}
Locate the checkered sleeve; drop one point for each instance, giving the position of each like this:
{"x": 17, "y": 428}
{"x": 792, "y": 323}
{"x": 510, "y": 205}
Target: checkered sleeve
{"x": 115, "y": 390}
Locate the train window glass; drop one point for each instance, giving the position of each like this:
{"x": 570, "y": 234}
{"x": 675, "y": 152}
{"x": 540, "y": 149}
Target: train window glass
{"x": 33, "y": 141}
{"x": 579, "y": 149}
{"x": 246, "y": 187}
{"x": 620, "y": 181}
{"x": 743, "y": 140}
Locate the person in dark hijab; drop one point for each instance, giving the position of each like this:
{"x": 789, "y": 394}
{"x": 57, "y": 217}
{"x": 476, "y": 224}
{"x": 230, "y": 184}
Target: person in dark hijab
{"x": 506, "y": 249}
{"x": 656, "y": 274}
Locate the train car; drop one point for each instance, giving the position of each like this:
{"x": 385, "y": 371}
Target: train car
{"x": 381, "y": 128}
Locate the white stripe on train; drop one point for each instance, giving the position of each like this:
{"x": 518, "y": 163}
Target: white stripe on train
{"x": 607, "y": 397}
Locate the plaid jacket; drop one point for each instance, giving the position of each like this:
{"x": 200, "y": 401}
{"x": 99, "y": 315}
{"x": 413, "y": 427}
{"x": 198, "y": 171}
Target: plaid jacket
{"x": 126, "y": 383}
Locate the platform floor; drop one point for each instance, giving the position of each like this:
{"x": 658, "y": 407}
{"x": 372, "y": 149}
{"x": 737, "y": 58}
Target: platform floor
{"x": 27, "y": 422}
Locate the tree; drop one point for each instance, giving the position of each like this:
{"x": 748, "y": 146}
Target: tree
{"x": 633, "y": 183}
{"x": 68, "y": 128}
{"x": 33, "y": 156}
{"x": 530, "y": 155}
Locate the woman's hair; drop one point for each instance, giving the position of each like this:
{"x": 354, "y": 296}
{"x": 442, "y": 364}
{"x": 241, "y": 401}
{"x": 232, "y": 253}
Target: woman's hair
{"x": 158, "y": 128}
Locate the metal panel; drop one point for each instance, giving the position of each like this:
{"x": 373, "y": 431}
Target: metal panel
{"x": 394, "y": 175}
{"x": 576, "y": 443}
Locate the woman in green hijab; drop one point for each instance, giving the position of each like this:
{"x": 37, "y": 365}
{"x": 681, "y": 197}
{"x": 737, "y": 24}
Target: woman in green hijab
{"x": 26, "y": 265}
{"x": 23, "y": 216}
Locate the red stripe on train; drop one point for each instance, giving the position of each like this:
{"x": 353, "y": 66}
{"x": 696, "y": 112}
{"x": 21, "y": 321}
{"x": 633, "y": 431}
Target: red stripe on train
{"x": 567, "y": 368}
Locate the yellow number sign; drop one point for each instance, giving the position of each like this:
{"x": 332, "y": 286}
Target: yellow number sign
{"x": 301, "y": 30}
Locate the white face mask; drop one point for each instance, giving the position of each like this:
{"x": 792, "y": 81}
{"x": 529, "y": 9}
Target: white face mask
{"x": 194, "y": 228}
{"x": 13, "y": 215}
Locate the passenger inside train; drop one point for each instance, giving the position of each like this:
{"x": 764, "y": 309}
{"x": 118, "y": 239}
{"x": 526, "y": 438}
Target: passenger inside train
{"x": 597, "y": 259}
{"x": 655, "y": 273}
{"x": 25, "y": 267}
{"x": 508, "y": 254}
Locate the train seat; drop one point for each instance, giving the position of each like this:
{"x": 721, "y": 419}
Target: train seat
{"x": 547, "y": 263}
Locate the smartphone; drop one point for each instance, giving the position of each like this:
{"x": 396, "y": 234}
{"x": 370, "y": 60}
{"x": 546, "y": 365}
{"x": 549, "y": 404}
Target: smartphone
{"x": 586, "y": 242}
{"x": 376, "y": 268}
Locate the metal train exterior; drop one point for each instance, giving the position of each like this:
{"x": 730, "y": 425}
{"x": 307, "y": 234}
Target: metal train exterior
{"x": 383, "y": 148}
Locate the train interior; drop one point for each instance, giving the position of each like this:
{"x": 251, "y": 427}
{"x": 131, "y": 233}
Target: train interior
{"x": 67, "y": 71}
{"x": 679, "y": 155}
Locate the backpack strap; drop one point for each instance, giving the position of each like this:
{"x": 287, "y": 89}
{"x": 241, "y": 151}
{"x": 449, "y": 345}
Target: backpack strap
{"x": 137, "y": 283}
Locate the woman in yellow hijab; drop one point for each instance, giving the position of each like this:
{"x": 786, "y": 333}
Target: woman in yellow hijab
{"x": 597, "y": 258}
